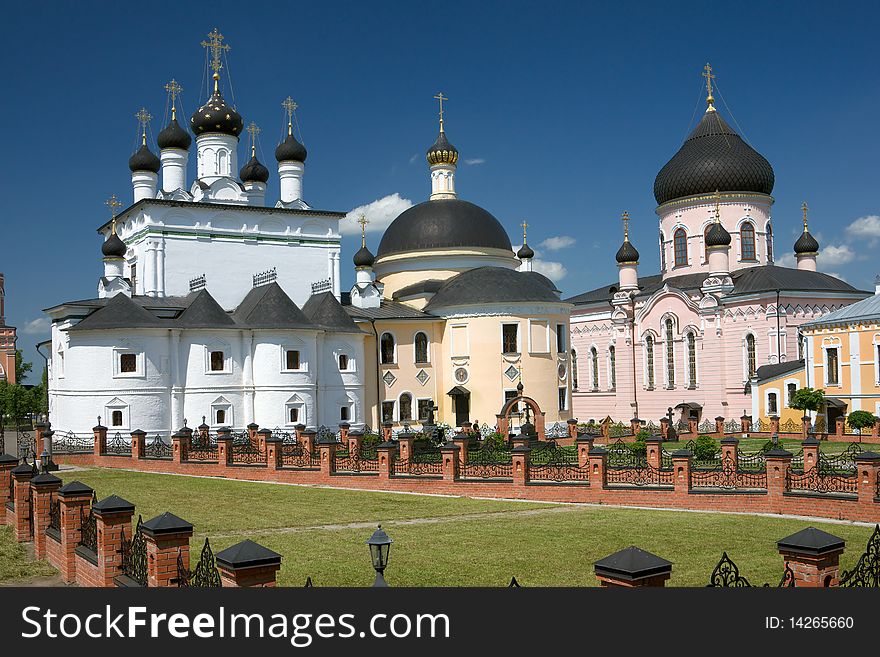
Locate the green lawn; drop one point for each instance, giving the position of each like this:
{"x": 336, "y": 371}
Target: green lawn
{"x": 14, "y": 564}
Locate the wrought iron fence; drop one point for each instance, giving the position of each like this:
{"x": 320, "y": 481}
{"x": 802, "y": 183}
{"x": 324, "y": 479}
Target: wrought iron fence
{"x": 665, "y": 459}
{"x": 619, "y": 430}
{"x": 488, "y": 463}
{"x": 134, "y": 555}
{"x": 325, "y": 433}
{"x": 55, "y": 515}
{"x": 790, "y": 426}
{"x": 366, "y": 459}
{"x": 88, "y": 527}
{"x": 843, "y": 463}
{"x": 157, "y": 449}
{"x": 726, "y": 575}
{"x": 706, "y": 426}
{"x": 548, "y": 462}
{"x": 821, "y": 425}
{"x": 413, "y": 466}
{"x": 25, "y": 442}
{"x": 118, "y": 446}
{"x": 682, "y": 426}
{"x": 204, "y": 575}
{"x": 622, "y": 455}
{"x": 590, "y": 429}
{"x": 866, "y": 572}
{"x": 700, "y": 462}
{"x": 728, "y": 476}
{"x": 67, "y": 442}
{"x": 751, "y": 461}
{"x": 203, "y": 447}
{"x": 651, "y": 427}
{"x": 732, "y": 426}
{"x": 761, "y": 426}
{"x": 557, "y": 430}
{"x": 645, "y": 475}
{"x": 247, "y": 453}
{"x": 817, "y": 481}
{"x": 296, "y": 456}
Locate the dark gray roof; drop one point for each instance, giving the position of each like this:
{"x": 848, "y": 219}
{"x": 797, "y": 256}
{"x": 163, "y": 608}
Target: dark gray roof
{"x": 203, "y": 311}
{"x": 267, "y": 306}
{"x": 865, "y": 309}
{"x": 494, "y": 285}
{"x": 766, "y": 372}
{"x": 443, "y": 223}
{"x": 325, "y": 311}
{"x": 430, "y": 286}
{"x": 386, "y": 310}
{"x": 761, "y": 278}
{"x": 120, "y": 312}
{"x": 713, "y": 157}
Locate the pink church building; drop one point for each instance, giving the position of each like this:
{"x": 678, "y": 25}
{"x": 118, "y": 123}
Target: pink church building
{"x": 693, "y": 336}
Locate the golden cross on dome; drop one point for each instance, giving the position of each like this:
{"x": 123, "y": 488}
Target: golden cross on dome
{"x": 362, "y": 220}
{"x": 710, "y": 100}
{"x": 289, "y": 106}
{"x": 112, "y": 203}
{"x": 143, "y": 117}
{"x": 625, "y": 219}
{"x": 253, "y": 131}
{"x": 717, "y": 206}
{"x": 217, "y": 47}
{"x": 440, "y": 97}
{"x": 173, "y": 88}
{"x": 524, "y": 226}
{"x": 805, "y": 208}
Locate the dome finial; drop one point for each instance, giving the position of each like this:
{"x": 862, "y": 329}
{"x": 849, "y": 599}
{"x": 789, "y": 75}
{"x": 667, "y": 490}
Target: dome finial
{"x": 173, "y": 88}
{"x": 143, "y": 117}
{"x": 362, "y": 220}
{"x": 524, "y": 227}
{"x": 253, "y": 131}
{"x": 218, "y": 48}
{"x": 625, "y": 219}
{"x": 440, "y": 97}
{"x": 804, "y": 207}
{"x": 289, "y": 106}
{"x": 710, "y": 100}
{"x": 717, "y": 207}
{"x": 113, "y": 203}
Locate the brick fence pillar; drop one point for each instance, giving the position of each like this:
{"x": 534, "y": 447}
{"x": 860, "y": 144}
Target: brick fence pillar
{"x": 327, "y": 450}
{"x": 462, "y": 440}
{"x": 166, "y": 536}
{"x": 449, "y": 455}
{"x": 813, "y": 556}
{"x": 719, "y": 425}
{"x": 113, "y": 517}
{"x": 729, "y": 449}
{"x": 811, "y": 452}
{"x": 7, "y": 463}
{"x": 664, "y": 427}
{"x": 745, "y": 424}
{"x": 21, "y": 477}
{"x": 344, "y": 431}
{"x": 405, "y": 446}
{"x": 252, "y": 432}
{"x": 635, "y": 425}
{"x": 604, "y": 427}
{"x": 248, "y": 564}
{"x": 298, "y": 430}
{"x": 774, "y": 425}
{"x": 138, "y": 444}
{"x": 44, "y": 488}
{"x": 520, "y": 461}
{"x": 74, "y": 498}
{"x": 693, "y": 426}
{"x": 572, "y": 426}
{"x": 262, "y": 436}
{"x": 867, "y": 466}
{"x": 274, "y": 454}
{"x": 309, "y": 441}
{"x": 875, "y": 430}
{"x": 681, "y": 470}
{"x": 584, "y": 444}
{"x": 598, "y": 465}
{"x": 654, "y": 445}
{"x": 778, "y": 461}
{"x": 224, "y": 446}
{"x": 100, "y": 433}
{"x": 839, "y": 426}
{"x": 467, "y": 427}
{"x": 632, "y": 567}
{"x": 807, "y": 425}
{"x": 387, "y": 431}
{"x": 204, "y": 429}
{"x": 386, "y": 452}
{"x": 353, "y": 441}
{"x": 517, "y": 440}
{"x": 179, "y": 447}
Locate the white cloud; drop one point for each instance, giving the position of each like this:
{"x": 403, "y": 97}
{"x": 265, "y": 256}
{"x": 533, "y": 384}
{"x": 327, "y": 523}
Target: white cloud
{"x": 555, "y": 271}
{"x": 836, "y": 275}
{"x": 785, "y": 260}
{"x": 558, "y": 242}
{"x": 868, "y": 226}
{"x": 39, "y": 326}
{"x": 414, "y": 158}
{"x": 380, "y": 213}
{"x": 834, "y": 255}
{"x": 475, "y": 160}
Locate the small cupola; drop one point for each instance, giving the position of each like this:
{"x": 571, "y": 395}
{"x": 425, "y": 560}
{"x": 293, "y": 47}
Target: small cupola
{"x": 806, "y": 248}
{"x": 627, "y": 260}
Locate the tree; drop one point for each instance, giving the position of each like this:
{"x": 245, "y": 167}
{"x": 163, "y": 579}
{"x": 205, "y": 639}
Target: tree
{"x": 808, "y": 399}
{"x": 861, "y": 420}
{"x": 21, "y": 368}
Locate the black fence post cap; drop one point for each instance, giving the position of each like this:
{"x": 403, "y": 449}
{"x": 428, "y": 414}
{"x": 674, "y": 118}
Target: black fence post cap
{"x": 811, "y": 541}
{"x": 45, "y": 479}
{"x": 6, "y": 459}
{"x": 247, "y": 554}
{"x": 138, "y": 432}
{"x": 113, "y": 504}
{"x": 720, "y": 418}
{"x": 388, "y": 444}
{"x": 632, "y": 563}
{"x": 23, "y": 469}
{"x": 75, "y": 489}
{"x": 263, "y": 432}
{"x": 810, "y": 440}
{"x": 778, "y": 453}
{"x": 867, "y": 456}
{"x": 598, "y": 451}
{"x": 730, "y": 440}
{"x": 167, "y": 523}
{"x": 253, "y": 425}
{"x": 682, "y": 454}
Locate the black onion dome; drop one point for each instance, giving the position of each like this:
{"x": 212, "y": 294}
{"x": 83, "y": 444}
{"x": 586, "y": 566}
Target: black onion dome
{"x": 173, "y": 136}
{"x": 291, "y": 150}
{"x": 442, "y": 152}
{"x": 144, "y": 160}
{"x": 114, "y": 247}
{"x": 443, "y": 223}
{"x": 363, "y": 258}
{"x": 525, "y": 252}
{"x": 717, "y": 235}
{"x": 216, "y": 116}
{"x": 253, "y": 171}
{"x": 806, "y": 243}
{"x": 627, "y": 252}
{"x": 713, "y": 158}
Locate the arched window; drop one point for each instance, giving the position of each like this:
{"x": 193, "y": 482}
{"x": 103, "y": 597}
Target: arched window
{"x": 769, "y": 238}
{"x": 612, "y": 368}
{"x": 692, "y": 360}
{"x": 649, "y": 362}
{"x": 670, "y": 355}
{"x": 574, "y": 369}
{"x": 406, "y": 407}
{"x": 594, "y": 362}
{"x": 681, "y": 248}
{"x": 747, "y": 238}
{"x": 662, "y": 253}
{"x": 386, "y": 349}
{"x": 421, "y": 345}
{"x": 751, "y": 357}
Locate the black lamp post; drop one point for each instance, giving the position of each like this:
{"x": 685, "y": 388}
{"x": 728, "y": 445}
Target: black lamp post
{"x": 380, "y": 546}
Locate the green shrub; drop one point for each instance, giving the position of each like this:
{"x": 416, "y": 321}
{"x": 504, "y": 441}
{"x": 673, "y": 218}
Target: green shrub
{"x": 639, "y": 447}
{"x": 370, "y": 439}
{"x": 494, "y": 440}
{"x": 705, "y": 448}
{"x": 861, "y": 420}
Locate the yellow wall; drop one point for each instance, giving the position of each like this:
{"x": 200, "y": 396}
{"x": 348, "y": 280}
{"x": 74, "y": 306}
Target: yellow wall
{"x": 778, "y": 385}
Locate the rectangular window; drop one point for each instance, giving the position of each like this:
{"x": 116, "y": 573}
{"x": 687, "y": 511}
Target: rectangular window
{"x": 220, "y": 416}
{"x": 116, "y": 419}
{"x": 343, "y": 362}
{"x": 217, "y": 361}
{"x": 560, "y": 339}
{"x": 460, "y": 345}
{"x": 127, "y": 363}
{"x": 771, "y": 403}
{"x": 293, "y": 415}
{"x": 405, "y": 408}
{"x": 831, "y": 366}
{"x": 291, "y": 359}
{"x": 612, "y": 366}
{"x": 539, "y": 338}
{"x": 343, "y": 413}
{"x": 792, "y": 388}
{"x": 424, "y": 407}
{"x": 134, "y": 278}
{"x": 563, "y": 399}
{"x": 509, "y": 338}
{"x": 388, "y": 411}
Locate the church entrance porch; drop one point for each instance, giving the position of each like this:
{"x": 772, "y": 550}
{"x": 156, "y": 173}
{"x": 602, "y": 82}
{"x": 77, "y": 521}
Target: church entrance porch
{"x": 461, "y": 402}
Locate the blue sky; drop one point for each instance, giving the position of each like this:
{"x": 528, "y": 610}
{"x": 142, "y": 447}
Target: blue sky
{"x": 566, "y": 111}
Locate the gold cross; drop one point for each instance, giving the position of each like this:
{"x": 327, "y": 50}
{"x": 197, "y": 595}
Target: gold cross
{"x": 253, "y": 131}
{"x": 363, "y": 221}
{"x": 217, "y": 47}
{"x": 173, "y": 88}
{"x": 440, "y": 97}
{"x": 707, "y": 73}
{"x": 805, "y": 208}
{"x": 524, "y": 226}
{"x": 112, "y": 203}
{"x": 289, "y": 106}
{"x": 143, "y": 117}
{"x": 717, "y": 206}
{"x": 625, "y": 219}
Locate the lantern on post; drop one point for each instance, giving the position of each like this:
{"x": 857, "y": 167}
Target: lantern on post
{"x": 380, "y": 546}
